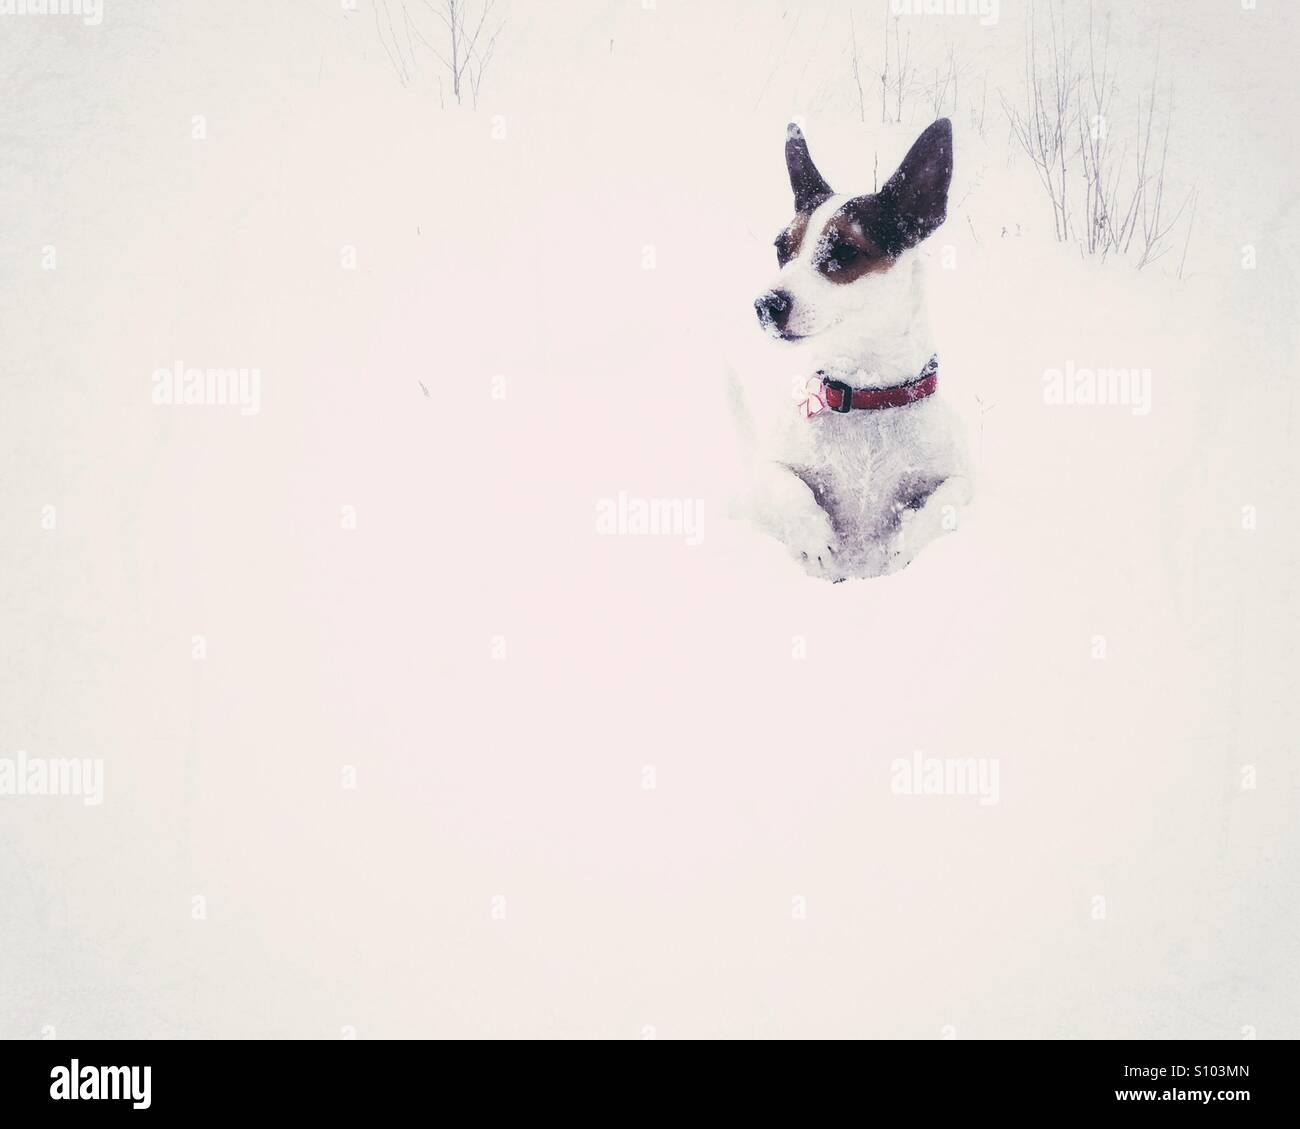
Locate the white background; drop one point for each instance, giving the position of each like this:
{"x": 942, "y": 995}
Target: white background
{"x": 509, "y": 240}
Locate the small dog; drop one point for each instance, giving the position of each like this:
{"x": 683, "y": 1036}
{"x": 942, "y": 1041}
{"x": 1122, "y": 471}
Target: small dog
{"x": 871, "y": 466}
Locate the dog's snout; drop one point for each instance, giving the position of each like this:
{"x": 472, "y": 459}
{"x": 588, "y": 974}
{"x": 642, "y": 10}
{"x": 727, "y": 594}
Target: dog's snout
{"x": 773, "y": 308}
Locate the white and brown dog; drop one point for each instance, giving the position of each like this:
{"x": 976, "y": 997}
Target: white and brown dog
{"x": 871, "y": 466}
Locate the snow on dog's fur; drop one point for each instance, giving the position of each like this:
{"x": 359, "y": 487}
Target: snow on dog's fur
{"x": 858, "y": 493}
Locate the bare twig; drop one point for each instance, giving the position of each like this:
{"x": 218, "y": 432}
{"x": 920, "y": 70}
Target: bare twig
{"x": 463, "y": 41}
{"x": 1191, "y": 219}
{"x": 904, "y": 66}
{"x": 857, "y": 73}
{"x": 1067, "y": 113}
{"x": 1044, "y": 126}
{"x": 884, "y": 72}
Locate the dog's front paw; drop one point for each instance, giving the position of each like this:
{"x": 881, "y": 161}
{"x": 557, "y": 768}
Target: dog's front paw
{"x": 812, "y": 542}
{"x": 920, "y": 519}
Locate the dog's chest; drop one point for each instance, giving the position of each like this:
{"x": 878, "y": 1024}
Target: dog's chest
{"x": 866, "y": 465}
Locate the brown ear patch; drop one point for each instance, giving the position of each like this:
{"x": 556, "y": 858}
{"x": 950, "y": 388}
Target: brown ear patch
{"x": 810, "y": 187}
{"x": 918, "y": 191}
{"x": 791, "y": 239}
{"x": 855, "y": 242}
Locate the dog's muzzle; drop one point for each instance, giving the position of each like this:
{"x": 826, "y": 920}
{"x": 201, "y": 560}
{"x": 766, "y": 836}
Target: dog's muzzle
{"x": 773, "y": 309}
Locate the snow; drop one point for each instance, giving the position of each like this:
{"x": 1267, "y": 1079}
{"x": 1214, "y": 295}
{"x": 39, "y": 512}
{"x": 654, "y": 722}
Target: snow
{"x": 499, "y": 672}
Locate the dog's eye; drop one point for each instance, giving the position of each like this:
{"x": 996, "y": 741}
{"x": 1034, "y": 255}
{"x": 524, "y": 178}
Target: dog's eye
{"x": 782, "y": 249}
{"x": 842, "y": 255}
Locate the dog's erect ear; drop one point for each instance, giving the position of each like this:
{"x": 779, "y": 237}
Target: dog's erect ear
{"x": 809, "y": 187}
{"x": 918, "y": 192}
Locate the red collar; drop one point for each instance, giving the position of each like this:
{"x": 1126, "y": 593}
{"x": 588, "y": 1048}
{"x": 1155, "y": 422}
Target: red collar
{"x": 840, "y": 397}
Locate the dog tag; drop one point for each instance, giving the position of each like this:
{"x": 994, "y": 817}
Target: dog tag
{"x": 813, "y": 404}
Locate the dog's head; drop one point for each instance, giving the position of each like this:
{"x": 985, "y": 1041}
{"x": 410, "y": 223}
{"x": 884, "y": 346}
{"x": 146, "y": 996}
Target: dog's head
{"x": 845, "y": 258}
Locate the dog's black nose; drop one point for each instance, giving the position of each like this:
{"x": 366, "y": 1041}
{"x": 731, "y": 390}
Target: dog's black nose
{"x": 773, "y": 308}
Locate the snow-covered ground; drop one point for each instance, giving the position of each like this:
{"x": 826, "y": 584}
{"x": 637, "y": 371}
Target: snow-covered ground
{"x": 616, "y": 785}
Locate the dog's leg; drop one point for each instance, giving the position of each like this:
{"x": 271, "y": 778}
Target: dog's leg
{"x": 923, "y": 515}
{"x": 782, "y": 504}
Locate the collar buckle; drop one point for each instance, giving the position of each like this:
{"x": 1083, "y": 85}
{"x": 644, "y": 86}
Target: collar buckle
{"x": 845, "y": 391}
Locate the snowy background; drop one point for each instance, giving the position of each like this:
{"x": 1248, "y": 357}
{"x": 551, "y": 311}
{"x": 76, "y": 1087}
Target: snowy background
{"x": 621, "y": 785}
